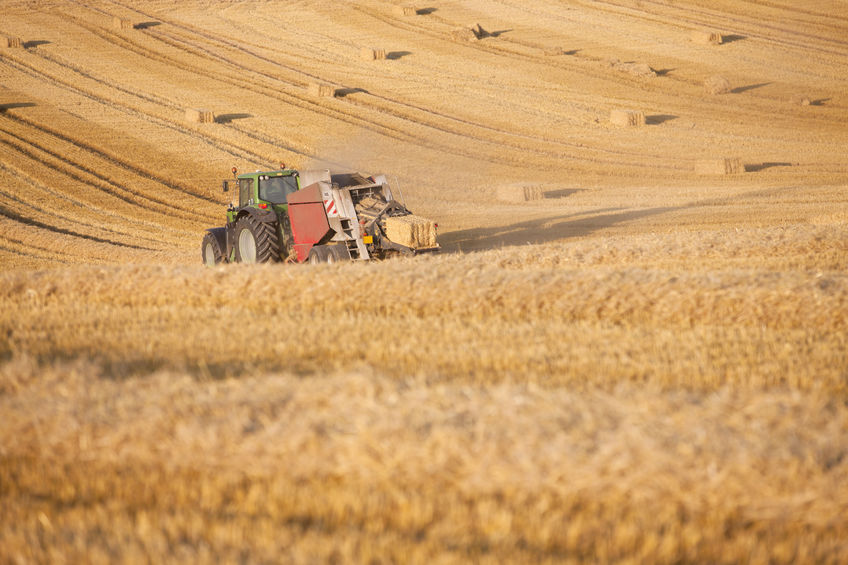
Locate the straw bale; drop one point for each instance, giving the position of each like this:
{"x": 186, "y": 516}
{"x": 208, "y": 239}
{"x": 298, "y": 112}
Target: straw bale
{"x": 519, "y": 193}
{"x": 470, "y": 33}
{"x": 370, "y": 54}
{"x": 412, "y": 231}
{"x": 404, "y": 11}
{"x": 717, "y": 84}
{"x": 10, "y": 42}
{"x": 199, "y": 116}
{"x": 120, "y": 23}
{"x": 635, "y": 69}
{"x": 553, "y": 51}
{"x": 724, "y": 166}
{"x": 317, "y": 89}
{"x": 627, "y": 118}
{"x": 801, "y": 101}
{"x": 706, "y": 37}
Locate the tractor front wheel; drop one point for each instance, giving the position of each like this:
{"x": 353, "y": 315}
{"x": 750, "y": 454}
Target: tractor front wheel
{"x": 256, "y": 242}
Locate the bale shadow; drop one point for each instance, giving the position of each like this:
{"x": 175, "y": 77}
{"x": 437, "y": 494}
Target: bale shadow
{"x": 756, "y": 167}
{"x": 498, "y": 33}
{"x": 732, "y": 38}
{"x": 147, "y": 25}
{"x": 227, "y": 118}
{"x": 36, "y": 43}
{"x": 395, "y": 55}
{"x": 659, "y": 119}
{"x": 563, "y": 192}
{"x": 740, "y": 89}
{"x": 663, "y": 72}
{"x": 426, "y": 11}
{"x": 819, "y": 102}
{"x": 13, "y": 105}
{"x": 342, "y": 92}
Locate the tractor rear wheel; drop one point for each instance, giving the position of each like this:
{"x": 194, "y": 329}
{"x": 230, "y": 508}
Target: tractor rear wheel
{"x": 256, "y": 242}
{"x": 211, "y": 250}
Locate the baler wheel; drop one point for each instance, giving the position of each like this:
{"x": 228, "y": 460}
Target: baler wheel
{"x": 256, "y": 242}
{"x": 320, "y": 254}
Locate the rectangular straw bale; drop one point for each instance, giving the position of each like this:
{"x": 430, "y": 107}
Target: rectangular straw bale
{"x": 725, "y": 166}
{"x": 10, "y": 41}
{"x": 519, "y": 193}
{"x": 404, "y": 11}
{"x": 627, "y": 118}
{"x": 120, "y": 23}
{"x": 412, "y": 231}
{"x": 370, "y": 54}
{"x": 464, "y": 34}
{"x": 317, "y": 89}
{"x": 199, "y": 116}
{"x": 706, "y": 37}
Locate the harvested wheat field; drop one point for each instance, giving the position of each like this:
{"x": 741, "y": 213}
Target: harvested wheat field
{"x": 640, "y": 354}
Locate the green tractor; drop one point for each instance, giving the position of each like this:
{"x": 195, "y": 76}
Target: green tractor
{"x": 258, "y": 229}
{"x": 317, "y": 217}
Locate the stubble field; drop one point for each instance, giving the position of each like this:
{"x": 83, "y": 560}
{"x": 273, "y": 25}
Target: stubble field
{"x": 648, "y": 364}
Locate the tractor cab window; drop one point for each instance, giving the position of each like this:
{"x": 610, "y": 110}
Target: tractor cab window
{"x": 275, "y": 189}
{"x": 245, "y": 191}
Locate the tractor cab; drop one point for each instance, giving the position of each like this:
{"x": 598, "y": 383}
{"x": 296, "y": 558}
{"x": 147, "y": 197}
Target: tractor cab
{"x": 262, "y": 189}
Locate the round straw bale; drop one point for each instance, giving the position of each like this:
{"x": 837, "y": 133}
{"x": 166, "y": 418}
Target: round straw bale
{"x": 199, "y": 116}
{"x": 723, "y": 166}
{"x": 717, "y": 85}
{"x": 627, "y": 118}
{"x": 10, "y": 42}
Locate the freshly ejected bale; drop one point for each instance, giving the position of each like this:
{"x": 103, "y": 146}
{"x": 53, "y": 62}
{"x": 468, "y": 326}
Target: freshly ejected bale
{"x": 627, "y": 118}
{"x": 199, "y": 116}
{"x": 317, "y": 89}
{"x": 404, "y": 11}
{"x": 412, "y": 231}
{"x": 727, "y": 166}
{"x": 120, "y": 23}
{"x": 10, "y": 42}
{"x": 706, "y": 37}
{"x": 717, "y": 85}
{"x": 369, "y": 54}
{"x": 519, "y": 193}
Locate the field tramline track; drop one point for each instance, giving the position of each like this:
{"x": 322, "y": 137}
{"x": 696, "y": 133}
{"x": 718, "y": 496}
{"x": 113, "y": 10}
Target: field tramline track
{"x": 78, "y": 171}
{"x": 36, "y": 196}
